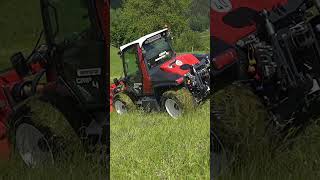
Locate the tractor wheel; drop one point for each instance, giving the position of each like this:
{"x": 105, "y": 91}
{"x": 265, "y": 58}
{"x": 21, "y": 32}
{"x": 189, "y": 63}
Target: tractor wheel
{"x": 41, "y": 133}
{"x": 238, "y": 125}
{"x": 221, "y": 158}
{"x": 123, "y": 104}
{"x": 176, "y": 103}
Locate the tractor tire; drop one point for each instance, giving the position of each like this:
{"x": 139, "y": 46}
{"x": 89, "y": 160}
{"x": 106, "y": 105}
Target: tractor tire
{"x": 238, "y": 124}
{"x": 123, "y": 104}
{"x": 177, "y": 103}
{"x": 42, "y": 133}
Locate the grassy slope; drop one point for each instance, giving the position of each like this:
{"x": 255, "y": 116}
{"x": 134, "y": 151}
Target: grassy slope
{"x": 154, "y": 145}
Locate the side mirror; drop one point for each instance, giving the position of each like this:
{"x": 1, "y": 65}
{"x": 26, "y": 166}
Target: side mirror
{"x": 50, "y": 18}
{"x": 120, "y": 53}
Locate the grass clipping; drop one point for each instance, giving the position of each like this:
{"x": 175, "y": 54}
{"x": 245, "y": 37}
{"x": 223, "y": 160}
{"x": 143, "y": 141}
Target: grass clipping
{"x": 242, "y": 125}
{"x": 47, "y": 116}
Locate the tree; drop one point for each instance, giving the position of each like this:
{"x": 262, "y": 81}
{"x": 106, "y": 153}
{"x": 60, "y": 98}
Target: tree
{"x": 200, "y": 15}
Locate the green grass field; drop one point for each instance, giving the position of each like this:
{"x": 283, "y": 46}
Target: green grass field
{"x": 155, "y": 146}
{"x": 116, "y": 68}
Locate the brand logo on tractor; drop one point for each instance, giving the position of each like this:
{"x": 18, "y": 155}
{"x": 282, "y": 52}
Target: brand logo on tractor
{"x": 221, "y": 5}
{"x": 179, "y": 63}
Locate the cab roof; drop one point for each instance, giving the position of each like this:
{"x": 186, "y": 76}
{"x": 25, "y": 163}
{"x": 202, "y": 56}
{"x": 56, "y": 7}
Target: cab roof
{"x": 141, "y": 40}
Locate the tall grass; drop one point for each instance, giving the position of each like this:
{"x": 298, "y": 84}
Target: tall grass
{"x": 80, "y": 166}
{"x": 154, "y": 146}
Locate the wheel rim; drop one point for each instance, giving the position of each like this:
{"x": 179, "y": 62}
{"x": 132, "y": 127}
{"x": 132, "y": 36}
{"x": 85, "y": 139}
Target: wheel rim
{"x": 173, "y": 108}
{"x": 120, "y": 107}
{"x": 32, "y": 146}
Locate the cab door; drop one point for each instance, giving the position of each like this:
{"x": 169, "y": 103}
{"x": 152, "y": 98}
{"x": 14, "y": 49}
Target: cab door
{"x": 76, "y": 37}
{"x": 133, "y": 75}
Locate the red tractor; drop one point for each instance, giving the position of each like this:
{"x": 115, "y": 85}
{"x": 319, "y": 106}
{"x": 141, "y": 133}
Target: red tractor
{"x": 68, "y": 72}
{"x": 156, "y": 78}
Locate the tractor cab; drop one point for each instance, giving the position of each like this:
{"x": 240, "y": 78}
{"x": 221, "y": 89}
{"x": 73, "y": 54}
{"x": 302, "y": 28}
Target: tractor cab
{"x": 76, "y": 33}
{"x": 142, "y": 56}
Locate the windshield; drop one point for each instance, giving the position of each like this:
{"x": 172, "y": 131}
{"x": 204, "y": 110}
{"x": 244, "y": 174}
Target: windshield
{"x": 157, "y": 51}
{"x": 72, "y": 19}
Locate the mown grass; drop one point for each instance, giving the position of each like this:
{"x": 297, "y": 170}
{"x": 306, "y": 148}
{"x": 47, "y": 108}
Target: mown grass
{"x": 155, "y": 146}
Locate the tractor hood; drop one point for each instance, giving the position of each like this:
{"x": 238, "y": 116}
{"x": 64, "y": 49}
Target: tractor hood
{"x": 180, "y": 65}
{"x": 172, "y": 71}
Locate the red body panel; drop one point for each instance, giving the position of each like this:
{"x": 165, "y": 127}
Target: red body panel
{"x": 172, "y": 67}
{"x": 231, "y": 35}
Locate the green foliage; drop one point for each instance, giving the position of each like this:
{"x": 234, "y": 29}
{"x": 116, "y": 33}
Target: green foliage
{"x": 199, "y": 16}
{"x": 199, "y": 23}
{"x": 189, "y": 41}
